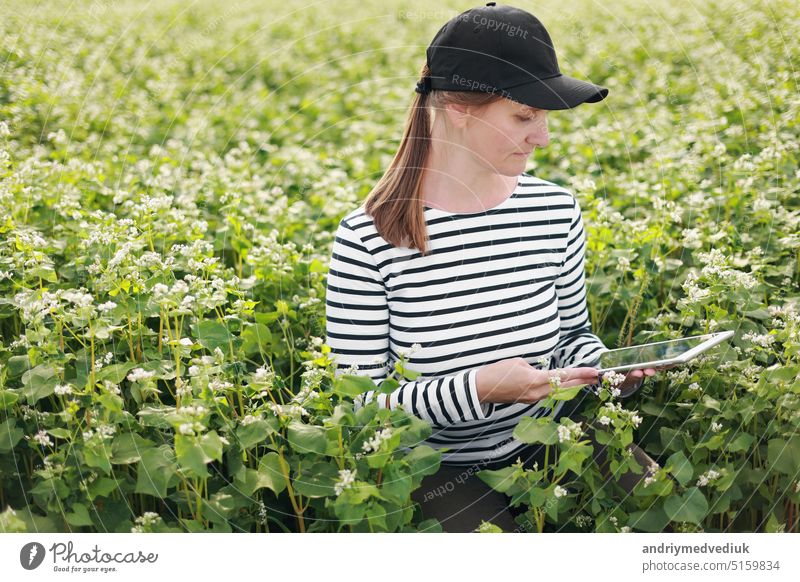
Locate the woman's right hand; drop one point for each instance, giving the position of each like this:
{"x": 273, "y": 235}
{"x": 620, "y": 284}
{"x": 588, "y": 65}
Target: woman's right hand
{"x": 515, "y": 380}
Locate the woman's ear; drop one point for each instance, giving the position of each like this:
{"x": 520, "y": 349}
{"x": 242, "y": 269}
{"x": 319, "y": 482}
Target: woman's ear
{"x": 457, "y": 114}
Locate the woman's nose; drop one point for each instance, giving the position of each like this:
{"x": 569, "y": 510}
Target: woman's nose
{"x": 539, "y": 136}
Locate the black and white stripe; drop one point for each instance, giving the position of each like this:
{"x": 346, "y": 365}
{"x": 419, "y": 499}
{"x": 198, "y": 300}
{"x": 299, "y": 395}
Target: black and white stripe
{"x": 507, "y": 282}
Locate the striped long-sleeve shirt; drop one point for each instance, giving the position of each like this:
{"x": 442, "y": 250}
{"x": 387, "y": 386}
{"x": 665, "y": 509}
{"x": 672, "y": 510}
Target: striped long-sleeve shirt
{"x": 506, "y": 282}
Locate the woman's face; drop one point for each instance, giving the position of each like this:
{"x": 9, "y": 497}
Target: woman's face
{"x": 503, "y": 134}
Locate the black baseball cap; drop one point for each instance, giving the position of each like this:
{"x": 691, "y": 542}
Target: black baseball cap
{"x": 506, "y": 50}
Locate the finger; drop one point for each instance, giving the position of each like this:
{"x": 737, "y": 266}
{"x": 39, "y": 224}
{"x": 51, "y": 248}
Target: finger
{"x": 650, "y": 371}
{"x": 637, "y": 373}
{"x": 570, "y": 373}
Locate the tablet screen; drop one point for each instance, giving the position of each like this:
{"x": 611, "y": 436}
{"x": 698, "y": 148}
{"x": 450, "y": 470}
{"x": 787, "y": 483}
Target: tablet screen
{"x": 647, "y": 352}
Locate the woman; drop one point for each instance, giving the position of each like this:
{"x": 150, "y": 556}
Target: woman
{"x": 473, "y": 263}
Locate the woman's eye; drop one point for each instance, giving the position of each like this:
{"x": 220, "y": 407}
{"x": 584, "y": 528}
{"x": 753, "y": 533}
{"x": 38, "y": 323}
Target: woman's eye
{"x": 523, "y": 118}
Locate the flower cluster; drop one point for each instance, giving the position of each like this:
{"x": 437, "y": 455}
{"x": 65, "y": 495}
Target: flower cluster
{"x": 615, "y": 414}
{"x": 708, "y": 477}
{"x": 145, "y": 522}
{"x": 374, "y": 443}
{"x": 569, "y": 430}
{"x": 346, "y": 480}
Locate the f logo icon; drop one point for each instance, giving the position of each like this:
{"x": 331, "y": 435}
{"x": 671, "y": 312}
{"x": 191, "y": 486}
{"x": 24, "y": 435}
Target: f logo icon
{"x": 31, "y": 555}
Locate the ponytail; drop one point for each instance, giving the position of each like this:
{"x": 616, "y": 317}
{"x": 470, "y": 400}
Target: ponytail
{"x": 394, "y": 203}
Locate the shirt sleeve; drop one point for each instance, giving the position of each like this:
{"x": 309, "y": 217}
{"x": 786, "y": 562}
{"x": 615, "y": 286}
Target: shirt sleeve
{"x": 357, "y": 331}
{"x": 576, "y": 340}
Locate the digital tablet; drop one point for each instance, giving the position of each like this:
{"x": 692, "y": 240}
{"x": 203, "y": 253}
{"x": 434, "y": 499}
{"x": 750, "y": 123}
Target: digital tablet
{"x": 653, "y": 355}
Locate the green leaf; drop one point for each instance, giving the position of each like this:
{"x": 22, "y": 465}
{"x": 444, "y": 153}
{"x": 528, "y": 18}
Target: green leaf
{"x": 128, "y": 447}
{"x": 362, "y": 491}
{"x": 388, "y": 385}
{"x": 784, "y": 455}
{"x": 376, "y": 516}
{"x": 566, "y": 393}
{"x": 270, "y": 474}
{"x": 742, "y": 442}
{"x": 38, "y": 383}
{"x": 653, "y": 519}
{"x": 257, "y": 338}
{"x": 7, "y": 399}
{"x": 17, "y": 365}
{"x": 78, "y": 516}
{"x": 306, "y": 438}
{"x": 211, "y": 334}
{"x": 211, "y": 445}
{"x": 95, "y": 454}
{"x": 101, "y": 487}
{"x": 10, "y": 435}
{"x": 156, "y": 416}
{"x": 396, "y": 486}
{"x": 61, "y": 433}
{"x": 691, "y": 506}
{"x": 500, "y": 479}
{"x": 536, "y": 430}
{"x": 423, "y": 460}
{"x": 250, "y": 435}
{"x": 155, "y": 471}
{"x": 115, "y": 373}
{"x": 680, "y": 467}
{"x": 317, "y": 480}
{"x": 351, "y": 386}
{"x": 191, "y": 456}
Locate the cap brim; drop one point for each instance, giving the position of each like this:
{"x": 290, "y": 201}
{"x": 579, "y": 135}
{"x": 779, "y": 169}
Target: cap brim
{"x": 560, "y": 92}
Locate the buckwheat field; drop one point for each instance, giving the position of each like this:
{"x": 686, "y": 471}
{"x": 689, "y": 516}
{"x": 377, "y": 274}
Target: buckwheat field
{"x": 171, "y": 176}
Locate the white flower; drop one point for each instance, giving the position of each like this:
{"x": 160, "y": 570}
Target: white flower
{"x": 374, "y": 443}
{"x": 264, "y": 375}
{"x": 43, "y": 439}
{"x": 582, "y": 520}
{"x": 346, "y": 480}
{"x": 691, "y": 238}
{"x": 694, "y": 386}
{"x": 559, "y": 491}
{"x": 63, "y": 389}
{"x": 613, "y": 378}
{"x": 186, "y": 428}
{"x": 604, "y": 420}
{"x": 652, "y": 469}
{"x": 182, "y": 388}
{"x": 563, "y": 433}
{"x": 715, "y": 427}
{"x": 287, "y": 410}
{"x": 707, "y": 477}
{"x": 108, "y": 306}
{"x": 148, "y": 518}
{"x": 139, "y": 374}
{"x": 185, "y": 341}
{"x": 764, "y": 340}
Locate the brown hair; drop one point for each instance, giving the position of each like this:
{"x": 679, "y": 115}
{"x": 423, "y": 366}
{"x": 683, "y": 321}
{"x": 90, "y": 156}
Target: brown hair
{"x": 394, "y": 203}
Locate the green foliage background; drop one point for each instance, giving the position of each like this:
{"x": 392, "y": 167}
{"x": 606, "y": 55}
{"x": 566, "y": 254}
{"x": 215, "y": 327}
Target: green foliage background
{"x": 171, "y": 175}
